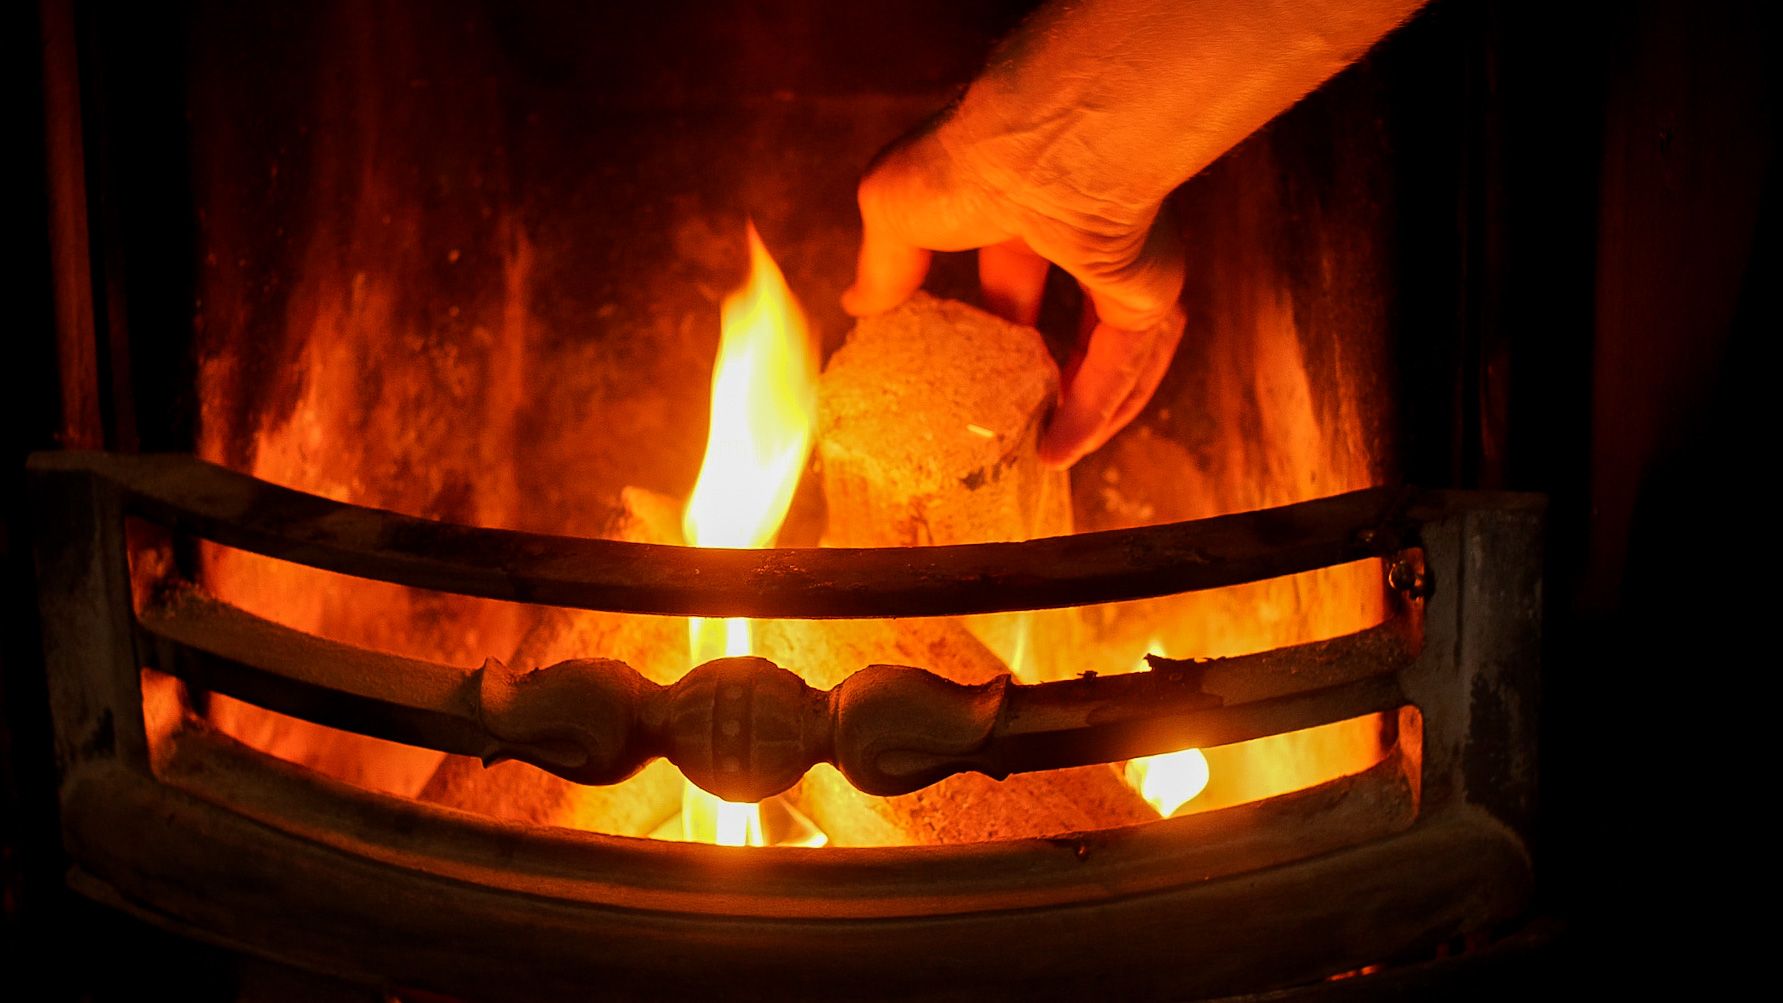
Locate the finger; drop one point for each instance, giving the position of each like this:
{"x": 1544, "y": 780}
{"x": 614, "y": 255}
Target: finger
{"x": 911, "y": 203}
{"x": 1132, "y": 276}
{"x": 1012, "y": 279}
{"x": 887, "y": 271}
{"x": 1136, "y": 290}
{"x": 1119, "y": 372}
{"x": 1163, "y": 350}
{"x": 1113, "y": 362}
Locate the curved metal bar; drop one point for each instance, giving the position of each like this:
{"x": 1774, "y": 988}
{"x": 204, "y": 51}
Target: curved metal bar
{"x": 235, "y": 510}
{"x": 746, "y": 729}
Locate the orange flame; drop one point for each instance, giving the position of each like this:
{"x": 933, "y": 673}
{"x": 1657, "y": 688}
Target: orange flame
{"x": 1293, "y": 428}
{"x": 764, "y": 407}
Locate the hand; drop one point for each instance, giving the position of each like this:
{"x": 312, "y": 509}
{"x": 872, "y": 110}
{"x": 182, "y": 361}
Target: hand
{"x": 1063, "y": 151}
{"x": 944, "y": 188}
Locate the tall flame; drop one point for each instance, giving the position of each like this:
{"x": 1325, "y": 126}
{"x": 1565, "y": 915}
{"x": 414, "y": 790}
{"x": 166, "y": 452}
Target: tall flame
{"x": 764, "y": 407}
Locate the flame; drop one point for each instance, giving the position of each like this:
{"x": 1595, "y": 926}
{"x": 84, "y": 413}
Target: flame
{"x": 1257, "y": 769}
{"x": 764, "y": 407}
{"x": 1168, "y": 781}
{"x": 1294, "y": 428}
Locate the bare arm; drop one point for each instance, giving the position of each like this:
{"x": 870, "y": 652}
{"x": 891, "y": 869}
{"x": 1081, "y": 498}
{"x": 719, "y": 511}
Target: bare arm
{"x": 1063, "y": 151}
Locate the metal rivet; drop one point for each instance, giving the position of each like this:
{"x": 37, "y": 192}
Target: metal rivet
{"x": 1405, "y": 576}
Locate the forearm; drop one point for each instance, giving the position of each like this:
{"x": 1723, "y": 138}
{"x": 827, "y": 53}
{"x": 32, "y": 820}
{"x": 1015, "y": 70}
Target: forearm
{"x": 1136, "y": 96}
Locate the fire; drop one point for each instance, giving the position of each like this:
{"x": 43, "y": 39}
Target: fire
{"x": 1169, "y": 781}
{"x": 764, "y": 407}
{"x": 434, "y": 436}
{"x": 1257, "y": 769}
{"x": 1280, "y": 440}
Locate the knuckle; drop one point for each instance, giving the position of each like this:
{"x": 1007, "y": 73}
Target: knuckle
{"x": 871, "y": 194}
{"x": 1134, "y": 270}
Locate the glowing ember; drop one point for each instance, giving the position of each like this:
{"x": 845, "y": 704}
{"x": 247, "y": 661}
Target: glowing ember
{"x": 764, "y": 404}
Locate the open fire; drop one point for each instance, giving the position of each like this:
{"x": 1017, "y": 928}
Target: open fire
{"x": 464, "y": 364}
{"x": 761, "y": 431}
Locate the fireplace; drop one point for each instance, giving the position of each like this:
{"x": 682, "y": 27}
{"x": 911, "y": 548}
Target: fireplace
{"x": 382, "y": 391}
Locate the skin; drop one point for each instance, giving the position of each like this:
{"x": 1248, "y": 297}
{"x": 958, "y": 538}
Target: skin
{"x": 1063, "y": 151}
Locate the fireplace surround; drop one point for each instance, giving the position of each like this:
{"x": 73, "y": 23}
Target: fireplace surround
{"x": 1369, "y": 177}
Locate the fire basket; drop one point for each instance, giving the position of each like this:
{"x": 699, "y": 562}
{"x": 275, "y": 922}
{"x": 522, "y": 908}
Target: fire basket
{"x": 171, "y": 820}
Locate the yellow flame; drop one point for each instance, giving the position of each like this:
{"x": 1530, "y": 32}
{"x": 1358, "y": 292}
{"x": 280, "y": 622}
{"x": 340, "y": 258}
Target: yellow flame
{"x": 764, "y": 406}
{"x": 706, "y": 817}
{"x": 1169, "y": 781}
{"x": 1255, "y": 769}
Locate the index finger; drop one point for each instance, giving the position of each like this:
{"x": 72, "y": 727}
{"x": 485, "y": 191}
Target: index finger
{"x": 912, "y": 202}
{"x": 887, "y": 271}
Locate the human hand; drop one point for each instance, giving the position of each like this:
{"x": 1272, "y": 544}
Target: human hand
{"x": 1063, "y": 151}
{"x": 953, "y": 186}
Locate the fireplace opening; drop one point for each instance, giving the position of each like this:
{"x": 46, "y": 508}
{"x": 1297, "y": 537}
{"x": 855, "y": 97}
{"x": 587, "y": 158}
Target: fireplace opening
{"x": 461, "y": 288}
{"x": 393, "y": 329}
{"x": 883, "y": 435}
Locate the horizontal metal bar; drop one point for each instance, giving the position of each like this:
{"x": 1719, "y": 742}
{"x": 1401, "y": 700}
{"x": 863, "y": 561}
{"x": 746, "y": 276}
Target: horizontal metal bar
{"x": 784, "y": 883}
{"x": 218, "y": 647}
{"x": 1135, "y": 738}
{"x": 890, "y": 729}
{"x": 235, "y": 510}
